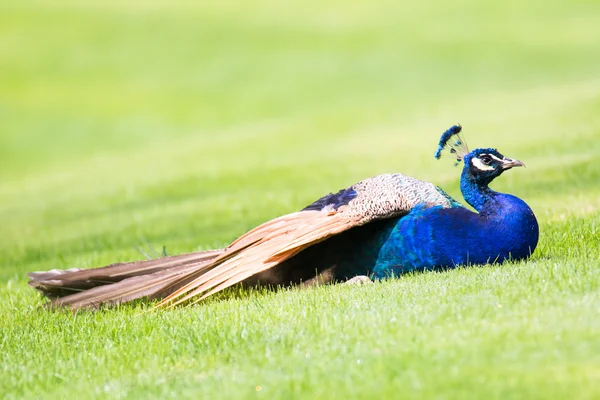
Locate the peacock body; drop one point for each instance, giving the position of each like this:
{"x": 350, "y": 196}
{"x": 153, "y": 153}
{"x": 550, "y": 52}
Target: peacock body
{"x": 381, "y": 226}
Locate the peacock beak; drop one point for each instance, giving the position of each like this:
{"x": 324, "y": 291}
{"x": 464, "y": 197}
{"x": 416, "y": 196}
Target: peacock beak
{"x": 508, "y": 163}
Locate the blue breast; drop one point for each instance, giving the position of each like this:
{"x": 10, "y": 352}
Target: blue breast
{"x": 432, "y": 237}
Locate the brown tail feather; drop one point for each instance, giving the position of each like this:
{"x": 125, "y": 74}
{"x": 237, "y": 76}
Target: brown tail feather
{"x": 152, "y": 286}
{"x": 66, "y": 283}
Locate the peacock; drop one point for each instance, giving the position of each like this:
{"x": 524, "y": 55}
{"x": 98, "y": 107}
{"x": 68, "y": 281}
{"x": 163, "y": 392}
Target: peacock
{"x": 380, "y": 227}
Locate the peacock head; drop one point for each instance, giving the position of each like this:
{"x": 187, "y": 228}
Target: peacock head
{"x": 484, "y": 165}
{"x": 481, "y": 166}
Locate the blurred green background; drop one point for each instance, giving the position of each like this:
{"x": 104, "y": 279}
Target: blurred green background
{"x": 184, "y": 124}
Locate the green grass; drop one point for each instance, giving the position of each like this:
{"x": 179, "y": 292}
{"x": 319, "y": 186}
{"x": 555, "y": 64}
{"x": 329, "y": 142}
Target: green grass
{"x": 185, "y": 126}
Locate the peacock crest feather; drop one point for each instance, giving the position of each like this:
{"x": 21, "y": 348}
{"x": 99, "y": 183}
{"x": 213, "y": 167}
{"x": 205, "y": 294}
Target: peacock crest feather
{"x": 453, "y": 139}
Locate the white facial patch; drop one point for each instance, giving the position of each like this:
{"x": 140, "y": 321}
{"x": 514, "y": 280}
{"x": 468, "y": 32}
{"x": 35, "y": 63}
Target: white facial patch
{"x": 477, "y": 163}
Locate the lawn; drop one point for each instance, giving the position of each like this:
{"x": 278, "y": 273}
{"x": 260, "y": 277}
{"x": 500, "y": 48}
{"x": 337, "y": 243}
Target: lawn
{"x": 152, "y": 124}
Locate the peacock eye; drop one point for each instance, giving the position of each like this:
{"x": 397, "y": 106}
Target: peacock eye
{"x": 486, "y": 159}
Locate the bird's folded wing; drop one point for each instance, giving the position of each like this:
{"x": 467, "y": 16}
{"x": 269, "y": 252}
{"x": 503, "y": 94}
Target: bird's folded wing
{"x": 198, "y": 275}
{"x": 262, "y": 248}
{"x": 275, "y": 241}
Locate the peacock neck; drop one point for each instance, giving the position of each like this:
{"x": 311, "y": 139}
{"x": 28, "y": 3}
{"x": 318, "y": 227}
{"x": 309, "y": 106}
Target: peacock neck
{"x": 478, "y": 195}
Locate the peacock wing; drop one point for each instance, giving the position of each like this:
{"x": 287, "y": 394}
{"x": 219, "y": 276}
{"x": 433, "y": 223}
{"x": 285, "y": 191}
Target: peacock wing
{"x": 266, "y": 246}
